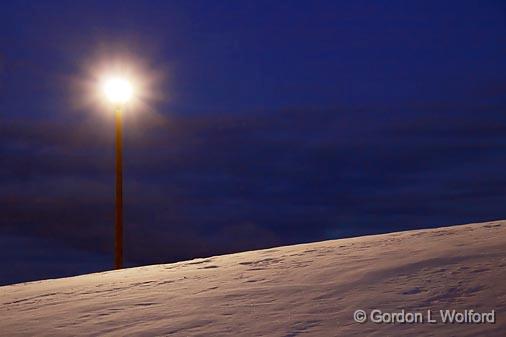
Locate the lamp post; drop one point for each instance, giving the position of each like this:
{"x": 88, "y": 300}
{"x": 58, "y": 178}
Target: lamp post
{"x": 118, "y": 91}
{"x": 118, "y": 246}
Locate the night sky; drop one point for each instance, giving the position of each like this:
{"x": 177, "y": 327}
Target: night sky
{"x": 263, "y": 123}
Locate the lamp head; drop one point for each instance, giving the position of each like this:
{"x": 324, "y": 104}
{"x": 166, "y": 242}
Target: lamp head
{"x": 117, "y": 90}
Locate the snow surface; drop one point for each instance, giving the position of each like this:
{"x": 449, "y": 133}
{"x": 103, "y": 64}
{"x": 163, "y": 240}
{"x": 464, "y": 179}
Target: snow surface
{"x": 310, "y": 289}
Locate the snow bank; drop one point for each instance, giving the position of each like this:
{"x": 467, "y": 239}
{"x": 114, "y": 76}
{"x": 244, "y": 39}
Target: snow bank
{"x": 310, "y": 289}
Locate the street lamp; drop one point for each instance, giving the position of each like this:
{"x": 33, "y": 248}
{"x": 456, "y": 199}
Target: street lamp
{"x": 118, "y": 92}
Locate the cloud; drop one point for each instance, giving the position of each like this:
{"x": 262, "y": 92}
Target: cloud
{"x": 209, "y": 184}
{"x": 30, "y": 258}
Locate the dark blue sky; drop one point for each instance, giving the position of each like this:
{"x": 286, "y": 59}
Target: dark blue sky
{"x": 269, "y": 123}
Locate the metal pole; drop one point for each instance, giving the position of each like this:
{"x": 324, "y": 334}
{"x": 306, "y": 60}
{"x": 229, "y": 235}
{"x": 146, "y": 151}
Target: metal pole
{"x": 118, "y": 259}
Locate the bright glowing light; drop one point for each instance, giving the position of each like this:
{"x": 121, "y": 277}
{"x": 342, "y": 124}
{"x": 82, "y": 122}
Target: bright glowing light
{"x": 118, "y": 90}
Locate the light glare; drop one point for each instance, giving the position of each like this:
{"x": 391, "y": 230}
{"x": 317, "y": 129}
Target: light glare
{"x": 118, "y": 90}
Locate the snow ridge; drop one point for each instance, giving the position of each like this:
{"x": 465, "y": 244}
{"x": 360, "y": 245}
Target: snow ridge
{"x": 309, "y": 289}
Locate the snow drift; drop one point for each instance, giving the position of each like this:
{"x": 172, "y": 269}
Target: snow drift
{"x": 309, "y": 289}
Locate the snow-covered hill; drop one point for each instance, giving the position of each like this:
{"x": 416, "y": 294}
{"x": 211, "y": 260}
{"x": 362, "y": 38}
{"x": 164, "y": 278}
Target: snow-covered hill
{"x": 310, "y": 289}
